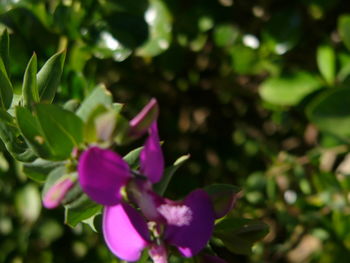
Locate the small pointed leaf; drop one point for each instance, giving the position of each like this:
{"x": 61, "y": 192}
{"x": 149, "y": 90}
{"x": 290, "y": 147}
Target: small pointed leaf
{"x": 81, "y": 209}
{"x": 5, "y": 50}
{"x": 30, "y": 88}
{"x": 49, "y": 77}
{"x": 161, "y": 187}
{"x": 326, "y": 63}
{"x": 6, "y": 91}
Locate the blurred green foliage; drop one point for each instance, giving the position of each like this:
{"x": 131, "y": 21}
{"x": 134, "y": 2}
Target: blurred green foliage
{"x": 256, "y": 91}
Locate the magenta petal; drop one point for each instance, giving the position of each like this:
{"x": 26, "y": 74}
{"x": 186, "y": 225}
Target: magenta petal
{"x": 151, "y": 157}
{"x": 192, "y": 237}
{"x": 125, "y": 231}
{"x": 102, "y": 174}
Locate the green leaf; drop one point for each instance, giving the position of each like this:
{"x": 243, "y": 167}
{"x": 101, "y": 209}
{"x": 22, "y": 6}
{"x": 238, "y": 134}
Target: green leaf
{"x": 330, "y": 112}
{"x": 5, "y": 50}
{"x": 62, "y": 129}
{"x": 30, "y": 129}
{"x": 239, "y": 234}
{"x": 107, "y": 46}
{"x": 81, "y": 209}
{"x": 159, "y": 19}
{"x": 6, "y": 91}
{"x": 14, "y": 144}
{"x": 290, "y": 89}
{"x": 161, "y": 187}
{"x": 100, "y": 95}
{"x": 326, "y": 63}
{"x": 344, "y": 29}
{"x": 132, "y": 157}
{"x": 30, "y": 88}
{"x": 39, "y": 169}
{"x": 49, "y": 77}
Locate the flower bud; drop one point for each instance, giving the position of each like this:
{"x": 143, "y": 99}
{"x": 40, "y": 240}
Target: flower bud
{"x": 54, "y": 196}
{"x": 144, "y": 119}
{"x": 158, "y": 253}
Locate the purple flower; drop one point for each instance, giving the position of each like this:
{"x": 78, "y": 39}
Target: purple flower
{"x": 187, "y": 225}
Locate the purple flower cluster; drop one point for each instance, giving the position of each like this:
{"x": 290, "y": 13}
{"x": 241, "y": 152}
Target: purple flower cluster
{"x": 134, "y": 216}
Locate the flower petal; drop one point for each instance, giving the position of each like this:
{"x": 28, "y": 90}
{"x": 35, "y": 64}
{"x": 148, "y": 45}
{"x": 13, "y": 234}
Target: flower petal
{"x": 151, "y": 157}
{"x": 102, "y": 174}
{"x": 125, "y": 231}
{"x": 191, "y": 238}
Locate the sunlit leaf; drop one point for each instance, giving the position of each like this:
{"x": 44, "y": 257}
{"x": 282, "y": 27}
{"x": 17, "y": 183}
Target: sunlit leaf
{"x": 326, "y": 63}
{"x": 159, "y": 21}
{"x": 290, "y": 89}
